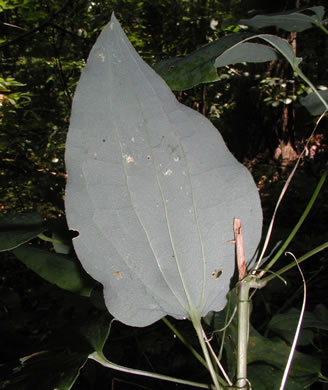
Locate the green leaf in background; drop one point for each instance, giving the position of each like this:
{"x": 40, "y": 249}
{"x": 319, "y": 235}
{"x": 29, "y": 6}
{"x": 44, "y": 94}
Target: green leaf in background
{"x": 64, "y": 271}
{"x": 48, "y": 369}
{"x": 152, "y": 190}
{"x": 197, "y": 67}
{"x": 5, "y": 4}
{"x": 58, "y": 365}
{"x": 17, "y": 229}
{"x": 96, "y": 331}
{"x": 321, "y": 313}
{"x": 276, "y": 352}
{"x": 61, "y": 237}
{"x": 291, "y": 21}
{"x": 312, "y": 103}
{"x": 60, "y": 244}
{"x": 247, "y": 52}
{"x": 285, "y": 325}
{"x": 265, "y": 377}
{"x": 269, "y": 356}
{"x": 237, "y": 52}
{"x": 283, "y": 47}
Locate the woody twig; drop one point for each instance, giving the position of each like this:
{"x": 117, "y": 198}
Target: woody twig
{"x": 240, "y": 253}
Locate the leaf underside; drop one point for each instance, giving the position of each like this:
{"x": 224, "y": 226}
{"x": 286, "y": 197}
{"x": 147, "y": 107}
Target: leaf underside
{"x": 152, "y": 190}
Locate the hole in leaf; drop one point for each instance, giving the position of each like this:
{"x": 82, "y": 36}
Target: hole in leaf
{"x": 217, "y": 273}
{"x": 74, "y": 233}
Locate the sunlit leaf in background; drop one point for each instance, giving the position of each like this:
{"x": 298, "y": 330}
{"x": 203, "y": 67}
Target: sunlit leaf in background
{"x": 152, "y": 190}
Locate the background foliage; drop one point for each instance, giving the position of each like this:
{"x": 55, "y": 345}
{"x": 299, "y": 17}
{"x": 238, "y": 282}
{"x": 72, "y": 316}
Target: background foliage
{"x": 43, "y": 48}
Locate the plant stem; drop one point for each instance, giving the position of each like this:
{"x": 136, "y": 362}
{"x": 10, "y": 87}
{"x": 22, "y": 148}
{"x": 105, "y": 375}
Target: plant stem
{"x": 243, "y": 332}
{"x": 184, "y": 341}
{"x": 299, "y": 260}
{"x": 299, "y": 223}
{"x": 298, "y": 71}
{"x": 49, "y": 239}
{"x": 199, "y": 331}
{"x": 100, "y": 358}
{"x": 227, "y": 322}
{"x": 323, "y": 28}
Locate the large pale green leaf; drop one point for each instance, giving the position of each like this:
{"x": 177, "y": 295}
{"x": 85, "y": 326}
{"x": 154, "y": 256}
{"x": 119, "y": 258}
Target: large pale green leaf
{"x": 152, "y": 190}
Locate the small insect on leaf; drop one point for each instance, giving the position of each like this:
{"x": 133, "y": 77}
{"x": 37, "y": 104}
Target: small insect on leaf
{"x": 217, "y": 273}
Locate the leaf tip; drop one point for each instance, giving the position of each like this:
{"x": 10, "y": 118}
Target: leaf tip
{"x": 113, "y": 20}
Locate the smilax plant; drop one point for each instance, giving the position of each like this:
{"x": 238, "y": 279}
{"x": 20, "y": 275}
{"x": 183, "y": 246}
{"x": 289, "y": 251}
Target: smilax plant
{"x": 160, "y": 192}
{"x": 161, "y": 209}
